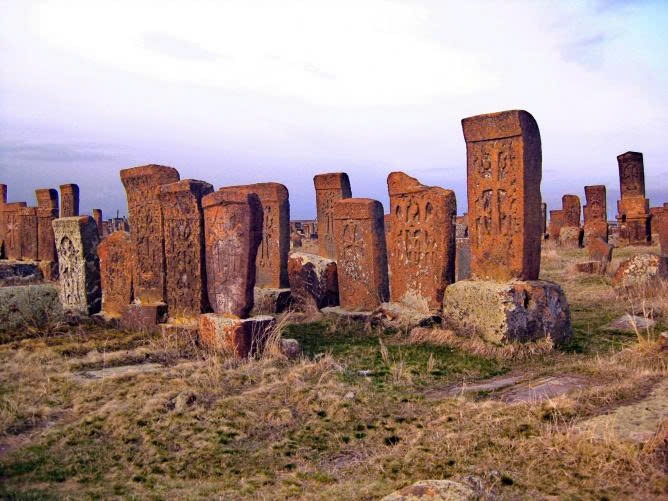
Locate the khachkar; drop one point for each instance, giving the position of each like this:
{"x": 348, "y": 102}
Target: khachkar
{"x": 27, "y": 221}
{"x": 78, "y": 264}
{"x": 361, "y": 255}
{"x": 47, "y": 211}
{"x": 329, "y": 189}
{"x": 232, "y": 234}
{"x": 595, "y": 213}
{"x": 271, "y": 267}
{"x": 633, "y": 207}
{"x": 556, "y": 222}
{"x": 10, "y": 230}
{"x": 505, "y": 301}
{"x": 421, "y": 251}
{"x": 662, "y": 230}
{"x": 116, "y": 265}
{"x": 181, "y": 204}
{"x": 570, "y": 234}
{"x": 69, "y": 200}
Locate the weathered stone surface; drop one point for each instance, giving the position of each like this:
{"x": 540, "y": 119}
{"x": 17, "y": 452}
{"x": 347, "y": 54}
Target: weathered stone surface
{"x": 78, "y": 264}
{"x": 27, "y": 220}
{"x": 295, "y": 241}
{"x": 47, "y": 211}
{"x": 3, "y": 194}
{"x": 19, "y": 273}
{"x": 434, "y": 490}
{"x": 505, "y": 312}
{"x": 235, "y": 336}
{"x": 233, "y": 232}
{"x": 97, "y": 217}
{"x": 570, "y": 237}
{"x": 329, "y": 188}
{"x": 543, "y": 215}
{"x": 313, "y": 282}
{"x": 633, "y": 207}
{"x": 142, "y": 185}
{"x": 600, "y": 251}
{"x": 11, "y": 229}
{"x": 291, "y": 348}
{"x": 631, "y": 174}
{"x": 69, "y": 200}
{"x": 398, "y": 316}
{"x": 29, "y": 306}
{"x": 556, "y": 223}
{"x": 463, "y": 259}
{"x": 639, "y": 270}
{"x": 272, "y": 256}
{"x": 504, "y": 171}
{"x": 595, "y": 213}
{"x": 662, "y": 230}
{"x": 631, "y": 323}
{"x": 570, "y": 234}
{"x": 270, "y": 301}
{"x": 183, "y": 224}
{"x": 587, "y": 267}
{"x": 115, "y": 253}
{"x": 47, "y": 198}
{"x": 361, "y": 255}
{"x": 421, "y": 250}
{"x": 143, "y": 317}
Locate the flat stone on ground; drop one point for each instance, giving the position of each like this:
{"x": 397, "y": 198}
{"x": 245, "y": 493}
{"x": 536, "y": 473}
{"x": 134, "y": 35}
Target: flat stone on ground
{"x": 123, "y": 370}
{"x": 630, "y": 323}
{"x": 434, "y": 490}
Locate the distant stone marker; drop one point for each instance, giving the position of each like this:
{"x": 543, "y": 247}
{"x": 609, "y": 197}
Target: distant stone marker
{"x": 361, "y": 254}
{"x": 570, "y": 234}
{"x": 181, "y": 204}
{"x": 47, "y": 211}
{"x": 595, "y": 213}
{"x": 27, "y": 220}
{"x": 663, "y": 230}
{"x": 504, "y": 173}
{"x": 69, "y": 200}
{"x": 633, "y": 207}
{"x": 421, "y": 241}
{"x": 115, "y": 253}
{"x": 11, "y": 229}
{"x": 233, "y": 231}
{"x": 329, "y": 188}
{"x": 78, "y": 264}
{"x": 3, "y": 194}
{"x": 97, "y": 216}
{"x": 142, "y": 185}
{"x": 555, "y": 225}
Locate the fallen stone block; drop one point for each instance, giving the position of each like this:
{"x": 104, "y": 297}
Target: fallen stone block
{"x": 240, "y": 337}
{"x": 143, "y": 317}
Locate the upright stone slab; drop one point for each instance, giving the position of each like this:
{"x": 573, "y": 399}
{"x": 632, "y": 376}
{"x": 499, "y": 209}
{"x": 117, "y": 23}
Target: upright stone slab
{"x": 595, "y": 213}
{"x": 78, "y": 264}
{"x": 329, "y": 189}
{"x": 556, "y": 223}
{"x": 504, "y": 158}
{"x": 570, "y": 234}
{"x": 662, "y": 230}
{"x": 314, "y": 282}
{"x": 633, "y": 207}
{"x": 47, "y": 211}
{"x": 115, "y": 253}
{"x": 272, "y": 256}
{"x": 543, "y": 217}
{"x": 361, "y": 254}
{"x": 11, "y": 230}
{"x": 3, "y": 194}
{"x": 142, "y": 185}
{"x": 27, "y": 217}
{"x": 421, "y": 250}
{"x": 69, "y": 200}
{"x": 97, "y": 216}
{"x": 232, "y": 235}
{"x": 184, "y": 247}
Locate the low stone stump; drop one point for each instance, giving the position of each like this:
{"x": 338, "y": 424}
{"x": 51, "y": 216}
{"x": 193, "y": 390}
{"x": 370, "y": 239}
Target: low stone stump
{"x": 34, "y": 306}
{"x": 143, "y": 317}
{"x": 240, "y": 337}
{"x": 587, "y": 267}
{"x": 508, "y": 311}
{"x": 570, "y": 237}
{"x": 19, "y": 273}
{"x": 313, "y": 281}
{"x": 600, "y": 251}
{"x": 269, "y": 301}
{"x": 638, "y": 271}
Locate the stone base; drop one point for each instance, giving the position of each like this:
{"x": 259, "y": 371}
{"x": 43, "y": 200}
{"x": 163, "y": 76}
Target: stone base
{"x": 400, "y": 316}
{"x": 19, "y": 273}
{"x": 35, "y": 306}
{"x": 313, "y": 281}
{"x": 570, "y": 237}
{"x": 509, "y": 311}
{"x": 270, "y": 301}
{"x": 143, "y": 317}
{"x": 240, "y": 337}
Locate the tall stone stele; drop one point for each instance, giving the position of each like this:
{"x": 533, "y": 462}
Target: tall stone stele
{"x": 361, "y": 254}
{"x": 421, "y": 242}
{"x": 555, "y": 224}
{"x": 183, "y": 222}
{"x": 633, "y": 207}
{"x": 595, "y": 213}
{"x": 505, "y": 301}
{"x": 329, "y": 189}
{"x": 78, "y": 264}
{"x": 570, "y": 234}
{"x": 27, "y": 217}
{"x": 116, "y": 265}
{"x": 69, "y": 200}
{"x": 47, "y": 211}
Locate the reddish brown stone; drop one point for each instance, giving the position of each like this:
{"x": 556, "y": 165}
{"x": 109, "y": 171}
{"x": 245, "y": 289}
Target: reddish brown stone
{"x": 27, "y": 220}
{"x": 97, "y": 217}
{"x": 143, "y": 317}
{"x": 570, "y": 204}
{"x": 47, "y": 198}
{"x": 10, "y": 229}
{"x": 47, "y": 211}
{"x": 633, "y": 207}
{"x": 422, "y": 243}
{"x": 235, "y": 336}
{"x": 272, "y": 256}
{"x": 361, "y": 254}
{"x": 587, "y": 267}
{"x": 329, "y": 188}
{"x": 115, "y": 253}
{"x": 556, "y": 223}
{"x": 233, "y": 231}
{"x": 3, "y": 194}
{"x": 595, "y": 213}
{"x": 504, "y": 172}
{"x": 631, "y": 174}
{"x": 314, "y": 282}
{"x": 662, "y": 230}
{"x": 543, "y": 216}
{"x": 142, "y": 185}
{"x": 184, "y": 247}
{"x": 600, "y": 251}
{"x": 69, "y": 200}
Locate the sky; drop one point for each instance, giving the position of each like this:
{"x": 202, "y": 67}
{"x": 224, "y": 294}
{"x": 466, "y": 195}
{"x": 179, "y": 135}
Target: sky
{"x": 237, "y": 92}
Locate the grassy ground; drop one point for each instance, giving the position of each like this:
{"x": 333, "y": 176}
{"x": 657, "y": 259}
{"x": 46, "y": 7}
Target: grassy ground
{"x": 355, "y": 418}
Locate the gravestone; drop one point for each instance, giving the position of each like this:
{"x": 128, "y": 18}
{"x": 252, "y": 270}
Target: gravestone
{"x": 47, "y": 211}
{"x": 115, "y": 253}
{"x": 69, "y": 200}
{"x": 361, "y": 254}
{"x": 570, "y": 234}
{"x": 10, "y": 228}
{"x": 97, "y": 216}
{"x": 142, "y": 185}
{"x": 184, "y": 247}
{"x": 78, "y": 264}
{"x": 314, "y": 282}
{"x": 663, "y": 230}
{"x": 633, "y": 207}
{"x": 595, "y": 213}
{"x": 3, "y": 194}
{"x": 556, "y": 223}
{"x": 329, "y": 189}
{"x": 27, "y": 221}
{"x": 421, "y": 251}
{"x": 233, "y": 231}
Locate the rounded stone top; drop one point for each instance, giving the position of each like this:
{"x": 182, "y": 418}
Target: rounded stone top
{"x": 70, "y": 187}
{"x": 630, "y": 155}
{"x": 499, "y": 125}
{"x": 163, "y": 172}
{"x": 358, "y": 208}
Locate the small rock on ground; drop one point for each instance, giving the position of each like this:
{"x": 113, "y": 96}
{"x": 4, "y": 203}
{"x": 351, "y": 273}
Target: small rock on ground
{"x": 630, "y": 323}
{"x": 433, "y": 490}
